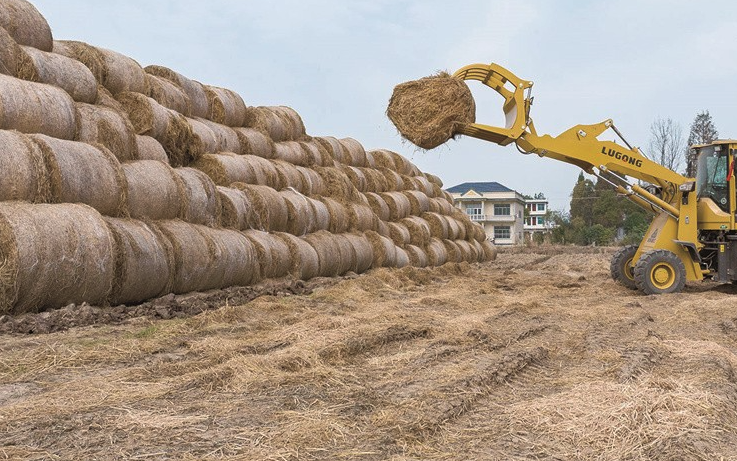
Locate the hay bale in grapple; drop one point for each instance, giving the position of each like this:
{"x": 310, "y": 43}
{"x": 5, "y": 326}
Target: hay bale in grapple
{"x": 254, "y": 142}
{"x": 82, "y": 173}
{"x": 150, "y": 149}
{"x": 144, "y": 261}
{"x": 273, "y": 253}
{"x": 225, "y": 106}
{"x": 305, "y": 261}
{"x": 31, "y": 107}
{"x": 154, "y": 190}
{"x": 200, "y": 199}
{"x": 23, "y": 173}
{"x": 58, "y": 70}
{"x": 269, "y": 206}
{"x": 428, "y": 112}
{"x": 236, "y": 211}
{"x": 168, "y": 94}
{"x": 25, "y": 24}
{"x": 53, "y": 255}
{"x": 102, "y": 125}
{"x": 195, "y": 90}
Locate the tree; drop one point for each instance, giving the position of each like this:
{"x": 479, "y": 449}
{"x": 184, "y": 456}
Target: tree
{"x": 702, "y": 131}
{"x": 582, "y": 200}
{"x": 667, "y": 145}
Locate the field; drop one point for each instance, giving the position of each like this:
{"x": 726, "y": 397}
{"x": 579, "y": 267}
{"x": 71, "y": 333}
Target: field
{"x": 537, "y": 355}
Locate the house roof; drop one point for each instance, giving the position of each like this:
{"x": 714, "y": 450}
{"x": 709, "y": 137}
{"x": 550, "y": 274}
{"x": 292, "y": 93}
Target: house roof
{"x": 480, "y": 187}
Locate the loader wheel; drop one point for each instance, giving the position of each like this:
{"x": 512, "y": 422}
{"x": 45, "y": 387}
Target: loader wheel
{"x": 660, "y": 271}
{"x": 622, "y": 268}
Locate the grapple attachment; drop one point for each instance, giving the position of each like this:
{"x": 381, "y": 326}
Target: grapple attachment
{"x": 516, "y": 105}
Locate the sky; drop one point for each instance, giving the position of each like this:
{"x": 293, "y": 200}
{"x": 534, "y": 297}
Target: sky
{"x": 337, "y": 62}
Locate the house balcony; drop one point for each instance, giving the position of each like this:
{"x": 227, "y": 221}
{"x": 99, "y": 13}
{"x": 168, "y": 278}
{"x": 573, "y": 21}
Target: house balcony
{"x": 491, "y": 218}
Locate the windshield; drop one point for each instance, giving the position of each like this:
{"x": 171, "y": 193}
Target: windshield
{"x": 711, "y": 176}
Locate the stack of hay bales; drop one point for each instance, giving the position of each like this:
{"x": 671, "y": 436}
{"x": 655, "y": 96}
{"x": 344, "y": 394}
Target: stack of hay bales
{"x": 120, "y": 183}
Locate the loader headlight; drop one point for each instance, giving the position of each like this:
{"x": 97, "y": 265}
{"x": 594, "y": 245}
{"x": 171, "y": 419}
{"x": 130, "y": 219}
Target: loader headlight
{"x": 687, "y": 186}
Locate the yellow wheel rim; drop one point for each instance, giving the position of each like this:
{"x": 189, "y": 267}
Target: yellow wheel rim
{"x": 629, "y": 271}
{"x": 663, "y": 276}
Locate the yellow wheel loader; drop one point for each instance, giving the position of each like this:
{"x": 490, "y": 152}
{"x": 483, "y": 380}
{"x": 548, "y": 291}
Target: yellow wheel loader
{"x": 693, "y": 234}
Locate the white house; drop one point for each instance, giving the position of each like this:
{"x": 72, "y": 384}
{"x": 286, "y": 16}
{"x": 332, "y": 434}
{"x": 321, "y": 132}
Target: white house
{"x": 535, "y": 217}
{"x": 497, "y": 208}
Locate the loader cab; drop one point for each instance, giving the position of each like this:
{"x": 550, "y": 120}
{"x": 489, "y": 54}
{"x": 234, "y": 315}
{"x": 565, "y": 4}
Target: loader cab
{"x": 714, "y": 174}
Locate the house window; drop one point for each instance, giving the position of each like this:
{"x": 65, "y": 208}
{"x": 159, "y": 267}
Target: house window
{"x": 502, "y": 210}
{"x": 473, "y": 209}
{"x": 540, "y": 207}
{"x": 533, "y": 207}
{"x": 540, "y": 221}
{"x": 502, "y": 232}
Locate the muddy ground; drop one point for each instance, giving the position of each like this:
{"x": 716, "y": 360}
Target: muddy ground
{"x": 537, "y": 355}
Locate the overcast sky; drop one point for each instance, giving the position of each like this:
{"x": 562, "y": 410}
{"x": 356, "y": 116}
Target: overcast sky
{"x": 336, "y": 62}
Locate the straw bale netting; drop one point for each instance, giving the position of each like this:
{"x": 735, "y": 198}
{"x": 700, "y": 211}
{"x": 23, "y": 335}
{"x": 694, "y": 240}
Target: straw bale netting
{"x": 225, "y": 106}
{"x": 337, "y": 184}
{"x": 490, "y": 251}
{"x": 254, "y": 142}
{"x": 55, "y": 69}
{"x": 384, "y": 250}
{"x": 168, "y": 94}
{"x": 200, "y": 199}
{"x": 25, "y": 24}
{"x": 398, "y": 203}
{"x": 227, "y": 139}
{"x": 53, "y": 255}
{"x": 306, "y": 215}
{"x": 31, "y": 107}
{"x": 419, "y": 230}
{"x": 355, "y": 153}
{"x": 102, "y": 125}
{"x": 379, "y": 206}
{"x": 334, "y": 147}
{"x": 419, "y": 202}
{"x": 361, "y": 217}
{"x": 375, "y": 180}
{"x": 329, "y": 255}
{"x": 427, "y": 112}
{"x": 311, "y": 181}
{"x": 439, "y": 226}
{"x": 274, "y": 257}
{"x": 150, "y": 149}
{"x": 417, "y": 256}
{"x": 363, "y": 250}
{"x": 207, "y": 258}
{"x": 394, "y": 180}
{"x": 339, "y": 217}
{"x": 23, "y": 173}
{"x": 399, "y": 233}
{"x": 82, "y": 173}
{"x": 356, "y": 176}
{"x": 437, "y": 253}
{"x": 144, "y": 261}
{"x": 236, "y": 211}
{"x": 154, "y": 190}
{"x": 165, "y": 125}
{"x": 10, "y": 54}
{"x": 194, "y": 90}
{"x": 269, "y": 206}
{"x": 402, "y": 258}
{"x": 305, "y": 260}
{"x": 292, "y": 152}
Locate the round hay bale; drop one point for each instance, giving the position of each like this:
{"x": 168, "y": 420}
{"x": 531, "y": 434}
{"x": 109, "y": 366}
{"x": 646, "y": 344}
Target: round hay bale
{"x": 347, "y": 252}
{"x": 84, "y": 53}
{"x": 58, "y": 70}
{"x": 225, "y": 106}
{"x": 424, "y": 185}
{"x": 334, "y": 148}
{"x": 384, "y": 250}
{"x": 375, "y": 180}
{"x": 490, "y": 251}
{"x": 399, "y": 233}
{"x": 23, "y": 173}
{"x": 469, "y": 227}
{"x": 311, "y": 181}
{"x": 154, "y": 190}
{"x": 206, "y": 258}
{"x": 427, "y": 112}
{"x": 150, "y": 149}
{"x": 363, "y": 250}
{"x": 383, "y": 158}
{"x": 433, "y": 179}
{"x": 383, "y": 229}
{"x": 168, "y": 94}
{"x": 288, "y": 176}
{"x": 455, "y": 253}
{"x": 398, "y": 203}
{"x": 254, "y": 142}
{"x": 419, "y": 230}
{"x": 456, "y": 230}
{"x": 337, "y": 184}
{"x": 305, "y": 260}
{"x": 236, "y": 211}
{"x": 10, "y": 55}
{"x": 328, "y": 252}
{"x": 270, "y": 208}
{"x": 194, "y": 90}
{"x": 82, "y": 173}
{"x": 105, "y": 99}
{"x": 25, "y": 24}
{"x": 31, "y": 107}
{"x": 361, "y": 217}
{"x": 48, "y": 266}
{"x": 479, "y": 249}
{"x": 264, "y": 170}
{"x": 102, "y": 125}
{"x": 292, "y": 152}
{"x": 338, "y": 214}
{"x": 402, "y": 258}
{"x": 144, "y": 262}
{"x": 204, "y": 136}
{"x": 468, "y": 252}
{"x": 441, "y": 205}
{"x": 200, "y": 199}
{"x": 122, "y": 73}
{"x": 294, "y": 121}
{"x": 379, "y": 206}
{"x": 226, "y": 168}
{"x": 322, "y": 215}
{"x": 438, "y": 224}
{"x": 356, "y": 154}
{"x": 437, "y": 254}
{"x": 301, "y": 212}
{"x": 274, "y": 123}
{"x": 356, "y": 176}
{"x": 419, "y": 202}
{"x": 314, "y": 155}
{"x": 480, "y": 234}
{"x": 226, "y": 137}
{"x": 417, "y": 256}
{"x": 273, "y": 253}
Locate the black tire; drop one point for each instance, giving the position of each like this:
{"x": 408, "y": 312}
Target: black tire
{"x": 660, "y": 271}
{"x": 621, "y": 266}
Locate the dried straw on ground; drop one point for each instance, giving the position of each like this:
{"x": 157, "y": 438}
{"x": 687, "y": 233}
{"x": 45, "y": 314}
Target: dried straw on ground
{"x": 236, "y": 211}
{"x": 102, "y": 125}
{"x": 55, "y": 69}
{"x": 269, "y": 206}
{"x": 226, "y": 137}
{"x": 144, "y": 261}
{"x": 25, "y": 24}
{"x": 355, "y": 153}
{"x": 417, "y": 256}
{"x": 10, "y": 54}
{"x": 31, "y": 107}
{"x": 427, "y": 112}
{"x": 23, "y": 173}
{"x": 49, "y": 266}
{"x": 168, "y": 94}
{"x": 254, "y": 142}
{"x": 384, "y": 250}
{"x": 305, "y": 261}
{"x": 207, "y": 258}
{"x": 200, "y": 199}
{"x": 273, "y": 253}
{"x": 225, "y": 106}
{"x": 154, "y": 190}
{"x": 82, "y": 173}
{"x": 150, "y": 149}
{"x": 194, "y": 90}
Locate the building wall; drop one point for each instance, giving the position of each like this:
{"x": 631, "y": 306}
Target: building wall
{"x": 503, "y": 229}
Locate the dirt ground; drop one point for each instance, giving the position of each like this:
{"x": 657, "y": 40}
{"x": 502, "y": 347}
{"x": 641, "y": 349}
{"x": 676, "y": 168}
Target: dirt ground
{"x": 537, "y": 355}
